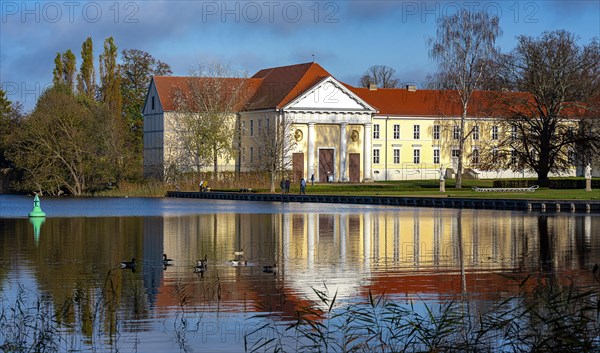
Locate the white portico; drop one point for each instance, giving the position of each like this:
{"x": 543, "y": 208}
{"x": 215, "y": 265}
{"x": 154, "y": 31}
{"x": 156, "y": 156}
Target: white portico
{"x": 335, "y": 126}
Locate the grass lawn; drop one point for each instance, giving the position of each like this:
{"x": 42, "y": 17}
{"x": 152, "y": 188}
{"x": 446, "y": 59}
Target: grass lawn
{"x": 430, "y": 188}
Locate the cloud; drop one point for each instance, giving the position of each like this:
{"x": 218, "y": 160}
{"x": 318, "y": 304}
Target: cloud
{"x": 346, "y": 36}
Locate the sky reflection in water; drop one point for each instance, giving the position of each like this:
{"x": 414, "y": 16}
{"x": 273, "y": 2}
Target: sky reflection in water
{"x": 410, "y": 254}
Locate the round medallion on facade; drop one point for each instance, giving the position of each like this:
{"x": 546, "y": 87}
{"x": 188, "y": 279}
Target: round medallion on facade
{"x": 298, "y": 135}
{"x": 354, "y": 136}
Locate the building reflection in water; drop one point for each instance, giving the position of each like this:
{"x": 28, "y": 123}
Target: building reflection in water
{"x": 412, "y": 252}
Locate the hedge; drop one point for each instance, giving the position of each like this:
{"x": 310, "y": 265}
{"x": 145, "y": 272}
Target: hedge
{"x": 552, "y": 184}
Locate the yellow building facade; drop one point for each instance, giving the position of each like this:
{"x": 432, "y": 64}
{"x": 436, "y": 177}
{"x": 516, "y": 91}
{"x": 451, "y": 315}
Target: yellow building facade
{"x": 340, "y": 133}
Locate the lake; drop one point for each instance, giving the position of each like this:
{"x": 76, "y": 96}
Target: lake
{"x": 64, "y": 270}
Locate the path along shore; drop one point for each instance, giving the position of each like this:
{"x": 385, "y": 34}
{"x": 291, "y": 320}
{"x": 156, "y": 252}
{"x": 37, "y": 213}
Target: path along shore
{"x": 439, "y": 202}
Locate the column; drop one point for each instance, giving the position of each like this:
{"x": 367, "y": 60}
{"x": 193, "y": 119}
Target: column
{"x": 367, "y": 241}
{"x": 311, "y": 150}
{"x": 343, "y": 151}
{"x": 286, "y": 238}
{"x": 310, "y": 240}
{"x": 343, "y": 234}
{"x": 367, "y": 176}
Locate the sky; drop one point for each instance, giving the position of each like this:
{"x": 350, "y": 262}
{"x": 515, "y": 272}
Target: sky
{"x": 345, "y": 37}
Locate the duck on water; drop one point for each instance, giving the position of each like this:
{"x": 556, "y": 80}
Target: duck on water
{"x": 201, "y": 265}
{"x": 128, "y": 264}
{"x": 167, "y": 261}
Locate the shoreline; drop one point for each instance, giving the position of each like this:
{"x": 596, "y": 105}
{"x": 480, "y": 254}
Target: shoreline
{"x": 411, "y": 201}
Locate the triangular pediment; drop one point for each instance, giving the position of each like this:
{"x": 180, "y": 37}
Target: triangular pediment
{"x": 331, "y": 95}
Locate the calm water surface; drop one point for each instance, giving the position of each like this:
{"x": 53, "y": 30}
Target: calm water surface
{"x": 414, "y": 255}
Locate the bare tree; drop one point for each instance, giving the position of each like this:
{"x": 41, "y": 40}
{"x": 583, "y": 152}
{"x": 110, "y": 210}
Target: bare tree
{"x": 464, "y": 46}
{"x": 557, "y": 80}
{"x": 274, "y": 145}
{"x": 381, "y": 75}
{"x": 206, "y": 115}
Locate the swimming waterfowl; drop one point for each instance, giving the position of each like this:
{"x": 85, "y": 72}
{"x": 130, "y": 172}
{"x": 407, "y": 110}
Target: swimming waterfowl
{"x": 270, "y": 269}
{"x": 167, "y": 261}
{"x": 128, "y": 264}
{"x": 201, "y": 265}
{"x": 239, "y": 262}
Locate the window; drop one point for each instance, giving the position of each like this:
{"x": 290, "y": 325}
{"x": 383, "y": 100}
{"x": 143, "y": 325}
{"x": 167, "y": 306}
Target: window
{"x": 416, "y": 156}
{"x": 243, "y": 128}
{"x": 243, "y": 154}
{"x": 456, "y": 132}
{"x": 494, "y": 154}
{"x": 152, "y": 102}
{"x": 376, "y": 156}
{"x": 416, "y": 132}
{"x": 396, "y": 132}
{"x": 251, "y": 153}
{"x": 436, "y": 132}
{"x": 476, "y": 132}
{"x": 251, "y": 127}
{"x": 513, "y": 156}
{"x": 436, "y": 156}
{"x": 376, "y": 131}
{"x": 494, "y": 132}
{"x": 475, "y": 157}
{"x": 455, "y": 153}
{"x": 514, "y": 132}
{"x": 268, "y": 126}
{"x": 396, "y": 156}
{"x": 260, "y": 127}
{"x": 571, "y": 156}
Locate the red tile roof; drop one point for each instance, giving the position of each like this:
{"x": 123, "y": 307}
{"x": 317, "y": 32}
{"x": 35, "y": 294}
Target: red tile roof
{"x": 275, "y": 87}
{"x": 170, "y": 87}
{"x": 282, "y": 84}
{"x": 268, "y": 89}
{"x": 425, "y": 103}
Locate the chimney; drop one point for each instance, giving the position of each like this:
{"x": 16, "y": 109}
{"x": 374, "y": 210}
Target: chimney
{"x": 411, "y": 88}
{"x": 372, "y": 87}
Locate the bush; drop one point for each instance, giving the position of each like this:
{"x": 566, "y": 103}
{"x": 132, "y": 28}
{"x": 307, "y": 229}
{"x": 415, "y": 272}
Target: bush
{"x": 567, "y": 183}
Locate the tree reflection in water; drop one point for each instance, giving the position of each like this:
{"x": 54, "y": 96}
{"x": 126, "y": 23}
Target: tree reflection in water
{"x": 353, "y": 278}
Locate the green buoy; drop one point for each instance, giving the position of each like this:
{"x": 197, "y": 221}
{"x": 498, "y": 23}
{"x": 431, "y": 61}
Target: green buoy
{"x": 37, "y": 210}
{"x": 37, "y": 225}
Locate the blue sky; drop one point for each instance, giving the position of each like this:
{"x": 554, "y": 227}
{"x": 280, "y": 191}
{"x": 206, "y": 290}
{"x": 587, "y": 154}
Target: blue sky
{"x": 346, "y": 37}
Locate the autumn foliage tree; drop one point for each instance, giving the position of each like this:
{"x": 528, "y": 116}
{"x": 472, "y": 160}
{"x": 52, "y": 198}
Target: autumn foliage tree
{"x": 59, "y": 145}
{"x": 86, "y": 79}
{"x": 115, "y": 140}
{"x": 558, "y": 79}
{"x": 65, "y": 65}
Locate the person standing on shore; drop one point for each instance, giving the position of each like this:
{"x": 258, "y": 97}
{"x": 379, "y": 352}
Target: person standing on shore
{"x": 312, "y": 180}
{"x": 302, "y": 186}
